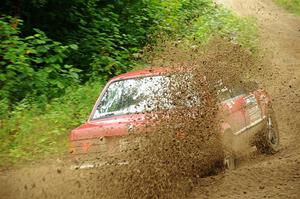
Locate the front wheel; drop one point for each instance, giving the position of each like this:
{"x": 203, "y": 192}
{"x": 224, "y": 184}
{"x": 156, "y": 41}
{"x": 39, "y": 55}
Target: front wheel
{"x": 268, "y": 140}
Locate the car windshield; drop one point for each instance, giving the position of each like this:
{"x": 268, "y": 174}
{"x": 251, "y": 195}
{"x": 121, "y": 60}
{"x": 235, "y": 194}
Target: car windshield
{"x": 136, "y": 95}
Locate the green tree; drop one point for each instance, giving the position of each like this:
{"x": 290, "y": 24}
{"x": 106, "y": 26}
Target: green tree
{"x": 32, "y": 66}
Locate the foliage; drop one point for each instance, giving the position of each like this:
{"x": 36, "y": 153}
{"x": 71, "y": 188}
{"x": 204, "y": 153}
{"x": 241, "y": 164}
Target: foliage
{"x": 32, "y": 132}
{"x": 291, "y": 5}
{"x": 221, "y": 22}
{"x": 109, "y": 34}
{"x": 32, "y": 67}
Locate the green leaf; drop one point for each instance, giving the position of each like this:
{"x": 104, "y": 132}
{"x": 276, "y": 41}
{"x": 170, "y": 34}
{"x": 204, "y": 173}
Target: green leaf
{"x": 73, "y": 46}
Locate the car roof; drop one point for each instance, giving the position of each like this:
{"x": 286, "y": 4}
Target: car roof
{"x": 141, "y": 73}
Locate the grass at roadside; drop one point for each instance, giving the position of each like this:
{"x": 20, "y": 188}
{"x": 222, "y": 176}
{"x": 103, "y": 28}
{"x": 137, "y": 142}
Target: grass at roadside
{"x": 224, "y": 23}
{"x": 30, "y": 132}
{"x": 291, "y": 5}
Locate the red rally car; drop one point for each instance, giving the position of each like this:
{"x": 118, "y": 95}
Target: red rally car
{"x": 120, "y": 109}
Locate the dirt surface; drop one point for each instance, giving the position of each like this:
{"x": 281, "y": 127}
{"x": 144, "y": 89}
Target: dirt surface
{"x": 275, "y": 176}
{"x": 260, "y": 176}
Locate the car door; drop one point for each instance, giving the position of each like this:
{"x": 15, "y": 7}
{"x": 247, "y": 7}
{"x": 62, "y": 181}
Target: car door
{"x": 253, "y": 113}
{"x": 238, "y": 95}
{"x": 233, "y": 105}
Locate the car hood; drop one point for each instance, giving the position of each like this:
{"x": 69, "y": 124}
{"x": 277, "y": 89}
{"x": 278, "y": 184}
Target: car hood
{"x": 108, "y": 127}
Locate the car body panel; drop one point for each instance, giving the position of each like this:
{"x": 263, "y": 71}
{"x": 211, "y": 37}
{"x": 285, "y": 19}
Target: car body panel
{"x": 100, "y": 132}
{"x": 235, "y": 113}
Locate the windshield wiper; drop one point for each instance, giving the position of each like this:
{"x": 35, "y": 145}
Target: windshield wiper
{"x": 108, "y": 115}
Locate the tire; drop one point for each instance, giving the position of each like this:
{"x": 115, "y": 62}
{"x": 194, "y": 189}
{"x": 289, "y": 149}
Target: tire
{"x": 268, "y": 140}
